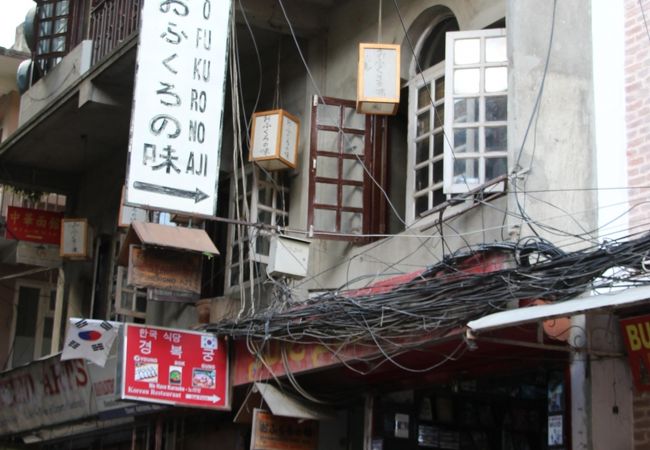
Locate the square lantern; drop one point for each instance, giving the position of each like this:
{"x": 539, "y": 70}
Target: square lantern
{"x": 274, "y": 140}
{"x": 378, "y": 82}
{"x": 76, "y": 239}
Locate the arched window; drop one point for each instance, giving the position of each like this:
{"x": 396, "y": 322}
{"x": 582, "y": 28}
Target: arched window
{"x": 457, "y": 113}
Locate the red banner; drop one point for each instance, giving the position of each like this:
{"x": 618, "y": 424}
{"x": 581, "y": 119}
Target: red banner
{"x": 183, "y": 368}
{"x": 636, "y": 334}
{"x": 34, "y": 225}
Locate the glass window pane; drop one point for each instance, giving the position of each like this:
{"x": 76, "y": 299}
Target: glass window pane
{"x": 424, "y": 97}
{"x": 60, "y": 26}
{"x": 263, "y": 245}
{"x": 328, "y": 115}
{"x": 45, "y": 28}
{"x": 326, "y": 194}
{"x": 466, "y": 81}
{"x": 354, "y": 120}
{"x": 265, "y": 216}
{"x": 495, "y": 49}
{"x": 281, "y": 220}
{"x": 352, "y": 170}
{"x": 351, "y": 222}
{"x": 467, "y": 51}
{"x": 353, "y": 143}
{"x": 58, "y": 44}
{"x": 438, "y": 171}
{"x": 466, "y": 110}
{"x": 48, "y": 326}
{"x": 496, "y": 108}
{"x": 422, "y": 178}
{"x": 440, "y": 88}
{"x": 328, "y": 141}
{"x": 438, "y": 197}
{"x": 45, "y": 10}
{"x": 234, "y": 275}
{"x": 438, "y": 144}
{"x": 423, "y": 124}
{"x": 466, "y": 172}
{"x": 325, "y": 220}
{"x": 439, "y": 116}
{"x": 62, "y": 8}
{"x": 465, "y": 140}
{"x": 327, "y": 167}
{"x": 496, "y": 139}
{"x": 422, "y": 151}
{"x": 282, "y": 201}
{"x": 265, "y": 196}
{"x": 353, "y": 196}
{"x": 43, "y": 46}
{"x": 52, "y": 300}
{"x": 421, "y": 204}
{"x": 496, "y": 79}
{"x": 495, "y": 167}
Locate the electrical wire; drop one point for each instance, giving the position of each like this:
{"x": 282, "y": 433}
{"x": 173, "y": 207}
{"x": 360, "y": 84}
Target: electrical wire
{"x": 441, "y": 299}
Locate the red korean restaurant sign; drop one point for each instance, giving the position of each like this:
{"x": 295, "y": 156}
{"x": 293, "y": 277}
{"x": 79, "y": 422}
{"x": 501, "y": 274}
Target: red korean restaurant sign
{"x": 178, "y": 367}
{"x": 34, "y": 225}
{"x": 636, "y": 334}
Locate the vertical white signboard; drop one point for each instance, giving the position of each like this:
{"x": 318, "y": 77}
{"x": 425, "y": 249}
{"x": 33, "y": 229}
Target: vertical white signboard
{"x": 177, "y": 117}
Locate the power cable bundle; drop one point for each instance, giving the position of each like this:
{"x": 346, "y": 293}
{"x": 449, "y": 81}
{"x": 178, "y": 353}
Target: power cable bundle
{"x": 449, "y": 294}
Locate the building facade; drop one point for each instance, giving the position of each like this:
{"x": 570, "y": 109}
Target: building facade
{"x": 385, "y": 278}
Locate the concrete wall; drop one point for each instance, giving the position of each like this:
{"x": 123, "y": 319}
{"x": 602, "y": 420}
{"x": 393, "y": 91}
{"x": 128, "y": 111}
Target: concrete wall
{"x": 9, "y": 108}
{"x": 557, "y": 153}
{"x": 611, "y": 389}
{"x": 58, "y": 80}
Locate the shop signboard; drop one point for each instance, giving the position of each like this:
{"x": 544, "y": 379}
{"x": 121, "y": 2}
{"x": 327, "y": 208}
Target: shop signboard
{"x": 164, "y": 269}
{"x": 282, "y": 433}
{"x": 176, "y": 367}
{"x": 33, "y": 225}
{"x": 43, "y": 393}
{"x": 636, "y": 334}
{"x": 178, "y": 105}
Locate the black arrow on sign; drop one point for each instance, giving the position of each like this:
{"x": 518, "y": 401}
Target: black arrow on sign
{"x": 197, "y": 194}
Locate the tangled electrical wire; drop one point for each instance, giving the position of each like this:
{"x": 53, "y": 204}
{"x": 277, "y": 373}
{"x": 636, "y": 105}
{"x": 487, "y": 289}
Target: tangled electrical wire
{"x": 464, "y": 286}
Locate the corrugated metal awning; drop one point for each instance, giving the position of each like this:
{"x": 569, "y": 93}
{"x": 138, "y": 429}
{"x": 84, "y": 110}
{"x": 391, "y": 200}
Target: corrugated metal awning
{"x": 579, "y": 305}
{"x": 178, "y": 238}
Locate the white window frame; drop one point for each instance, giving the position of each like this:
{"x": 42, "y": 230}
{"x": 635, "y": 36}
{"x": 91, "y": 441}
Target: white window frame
{"x": 427, "y": 77}
{"x": 481, "y": 155}
{"x": 45, "y": 291}
{"x": 249, "y": 234}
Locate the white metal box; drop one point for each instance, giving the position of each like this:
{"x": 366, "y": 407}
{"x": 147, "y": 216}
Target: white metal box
{"x": 288, "y": 257}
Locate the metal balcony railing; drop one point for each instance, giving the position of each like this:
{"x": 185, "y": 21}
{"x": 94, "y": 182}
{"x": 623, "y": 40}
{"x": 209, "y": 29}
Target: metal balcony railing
{"x": 111, "y": 23}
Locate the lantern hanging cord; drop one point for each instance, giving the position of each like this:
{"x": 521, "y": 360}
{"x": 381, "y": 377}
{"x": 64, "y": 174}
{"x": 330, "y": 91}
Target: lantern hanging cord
{"x": 379, "y": 22}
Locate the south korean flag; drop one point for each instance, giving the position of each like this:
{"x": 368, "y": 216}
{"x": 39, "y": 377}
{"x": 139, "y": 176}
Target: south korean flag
{"x": 89, "y": 339}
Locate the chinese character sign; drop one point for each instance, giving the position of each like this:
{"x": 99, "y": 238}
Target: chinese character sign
{"x": 178, "y": 105}
{"x": 185, "y": 368}
{"x": 34, "y": 225}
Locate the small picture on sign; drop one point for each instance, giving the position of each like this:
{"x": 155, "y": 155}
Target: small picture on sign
{"x": 175, "y": 375}
{"x": 146, "y": 372}
{"x": 209, "y": 342}
{"x": 203, "y": 378}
